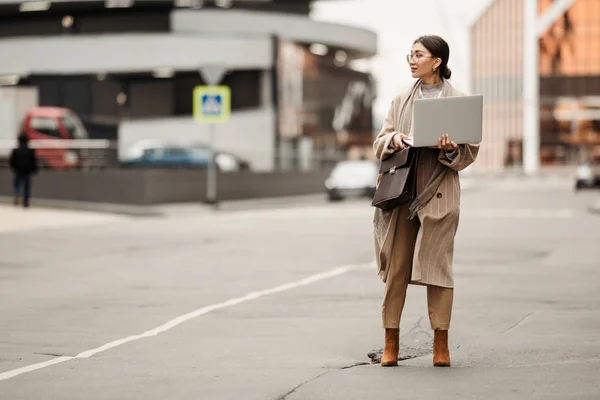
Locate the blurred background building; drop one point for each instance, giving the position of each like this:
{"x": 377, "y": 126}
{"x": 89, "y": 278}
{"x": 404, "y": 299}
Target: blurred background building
{"x": 569, "y": 82}
{"x": 310, "y": 82}
{"x": 127, "y": 70}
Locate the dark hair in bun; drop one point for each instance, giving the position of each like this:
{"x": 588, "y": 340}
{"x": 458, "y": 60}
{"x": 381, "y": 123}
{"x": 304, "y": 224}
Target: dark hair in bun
{"x": 440, "y": 49}
{"x": 446, "y": 73}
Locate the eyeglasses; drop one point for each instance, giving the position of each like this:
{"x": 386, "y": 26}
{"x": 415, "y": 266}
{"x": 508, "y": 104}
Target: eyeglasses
{"x": 418, "y": 56}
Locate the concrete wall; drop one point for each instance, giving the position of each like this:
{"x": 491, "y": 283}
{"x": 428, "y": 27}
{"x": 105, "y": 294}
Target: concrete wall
{"x": 15, "y": 102}
{"x": 132, "y": 52}
{"x": 357, "y": 41}
{"x": 150, "y": 187}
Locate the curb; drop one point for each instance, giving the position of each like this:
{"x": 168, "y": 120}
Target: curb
{"x": 161, "y": 210}
{"x": 109, "y": 208}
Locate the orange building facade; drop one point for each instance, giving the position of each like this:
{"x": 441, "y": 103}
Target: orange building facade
{"x": 569, "y": 73}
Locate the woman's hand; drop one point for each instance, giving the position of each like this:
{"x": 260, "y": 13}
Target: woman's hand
{"x": 397, "y": 141}
{"x": 445, "y": 143}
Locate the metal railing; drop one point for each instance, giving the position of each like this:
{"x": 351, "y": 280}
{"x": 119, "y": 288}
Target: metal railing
{"x": 94, "y": 154}
{"x": 59, "y": 154}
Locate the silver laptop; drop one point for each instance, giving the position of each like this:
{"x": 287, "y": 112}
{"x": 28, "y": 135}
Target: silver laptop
{"x": 459, "y": 117}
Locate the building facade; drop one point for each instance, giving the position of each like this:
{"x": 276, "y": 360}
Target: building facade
{"x": 569, "y": 73}
{"x": 128, "y": 69}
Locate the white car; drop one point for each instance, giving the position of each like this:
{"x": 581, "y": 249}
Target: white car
{"x": 586, "y": 177}
{"x": 352, "y": 178}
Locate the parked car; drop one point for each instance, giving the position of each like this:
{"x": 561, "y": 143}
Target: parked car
{"x": 587, "y": 177}
{"x": 165, "y": 155}
{"x": 50, "y": 125}
{"x": 228, "y": 162}
{"x": 352, "y": 178}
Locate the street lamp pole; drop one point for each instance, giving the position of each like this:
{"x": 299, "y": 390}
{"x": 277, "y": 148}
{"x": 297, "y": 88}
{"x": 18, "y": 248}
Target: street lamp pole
{"x": 531, "y": 90}
{"x": 534, "y": 27}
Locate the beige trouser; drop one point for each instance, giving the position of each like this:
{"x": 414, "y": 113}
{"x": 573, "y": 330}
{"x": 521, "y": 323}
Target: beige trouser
{"x": 439, "y": 299}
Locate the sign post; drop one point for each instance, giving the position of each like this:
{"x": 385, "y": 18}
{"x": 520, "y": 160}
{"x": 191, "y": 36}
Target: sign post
{"x": 212, "y": 105}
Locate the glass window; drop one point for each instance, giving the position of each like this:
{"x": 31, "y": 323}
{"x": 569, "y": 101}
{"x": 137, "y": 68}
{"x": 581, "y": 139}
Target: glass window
{"x": 74, "y": 127}
{"x": 152, "y": 153}
{"x": 46, "y": 126}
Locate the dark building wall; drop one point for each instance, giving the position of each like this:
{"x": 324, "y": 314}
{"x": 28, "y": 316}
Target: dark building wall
{"x": 91, "y": 17}
{"x": 559, "y": 86}
{"x": 85, "y": 22}
{"x": 96, "y": 99}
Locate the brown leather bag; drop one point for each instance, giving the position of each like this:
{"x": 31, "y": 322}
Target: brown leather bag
{"x": 398, "y": 184}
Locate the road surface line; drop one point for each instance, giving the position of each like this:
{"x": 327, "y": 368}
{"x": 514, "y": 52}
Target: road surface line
{"x": 33, "y": 367}
{"x": 553, "y": 363}
{"x": 186, "y": 317}
{"x": 519, "y": 213}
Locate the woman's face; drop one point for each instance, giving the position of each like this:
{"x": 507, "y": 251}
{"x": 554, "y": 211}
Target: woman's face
{"x": 422, "y": 62}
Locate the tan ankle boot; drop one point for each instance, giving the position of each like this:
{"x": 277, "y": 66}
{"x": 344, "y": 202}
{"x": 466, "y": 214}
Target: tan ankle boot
{"x": 391, "y": 349}
{"x": 441, "y": 354}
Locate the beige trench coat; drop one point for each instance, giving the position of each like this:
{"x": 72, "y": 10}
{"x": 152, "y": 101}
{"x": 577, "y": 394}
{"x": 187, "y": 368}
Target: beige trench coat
{"x": 434, "y": 247}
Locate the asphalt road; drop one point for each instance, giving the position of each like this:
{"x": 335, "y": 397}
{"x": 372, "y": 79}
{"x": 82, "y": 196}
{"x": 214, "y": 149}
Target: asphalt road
{"x": 283, "y": 302}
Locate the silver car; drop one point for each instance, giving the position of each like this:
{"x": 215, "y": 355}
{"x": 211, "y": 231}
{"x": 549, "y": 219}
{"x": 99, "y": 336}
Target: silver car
{"x": 352, "y": 178}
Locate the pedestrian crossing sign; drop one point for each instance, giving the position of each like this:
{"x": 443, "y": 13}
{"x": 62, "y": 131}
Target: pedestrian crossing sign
{"x": 212, "y": 104}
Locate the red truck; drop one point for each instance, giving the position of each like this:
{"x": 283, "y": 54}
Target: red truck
{"x": 44, "y": 125}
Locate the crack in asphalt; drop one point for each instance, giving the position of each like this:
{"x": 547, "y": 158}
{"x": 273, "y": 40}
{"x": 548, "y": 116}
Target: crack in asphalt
{"x": 357, "y": 364}
{"x": 415, "y": 326}
{"x": 51, "y": 354}
{"x": 519, "y": 322}
{"x": 302, "y": 384}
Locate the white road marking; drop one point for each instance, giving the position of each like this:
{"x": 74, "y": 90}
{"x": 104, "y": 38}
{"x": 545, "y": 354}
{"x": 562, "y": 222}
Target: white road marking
{"x": 186, "y": 317}
{"x": 519, "y": 212}
{"x": 554, "y": 363}
{"x": 367, "y": 212}
{"x": 33, "y": 367}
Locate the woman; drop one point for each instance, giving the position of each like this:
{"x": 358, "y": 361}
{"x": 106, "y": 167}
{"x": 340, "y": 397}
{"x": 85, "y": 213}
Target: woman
{"x": 414, "y": 243}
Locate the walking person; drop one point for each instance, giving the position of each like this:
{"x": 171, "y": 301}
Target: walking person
{"x": 414, "y": 243}
{"x": 23, "y": 163}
